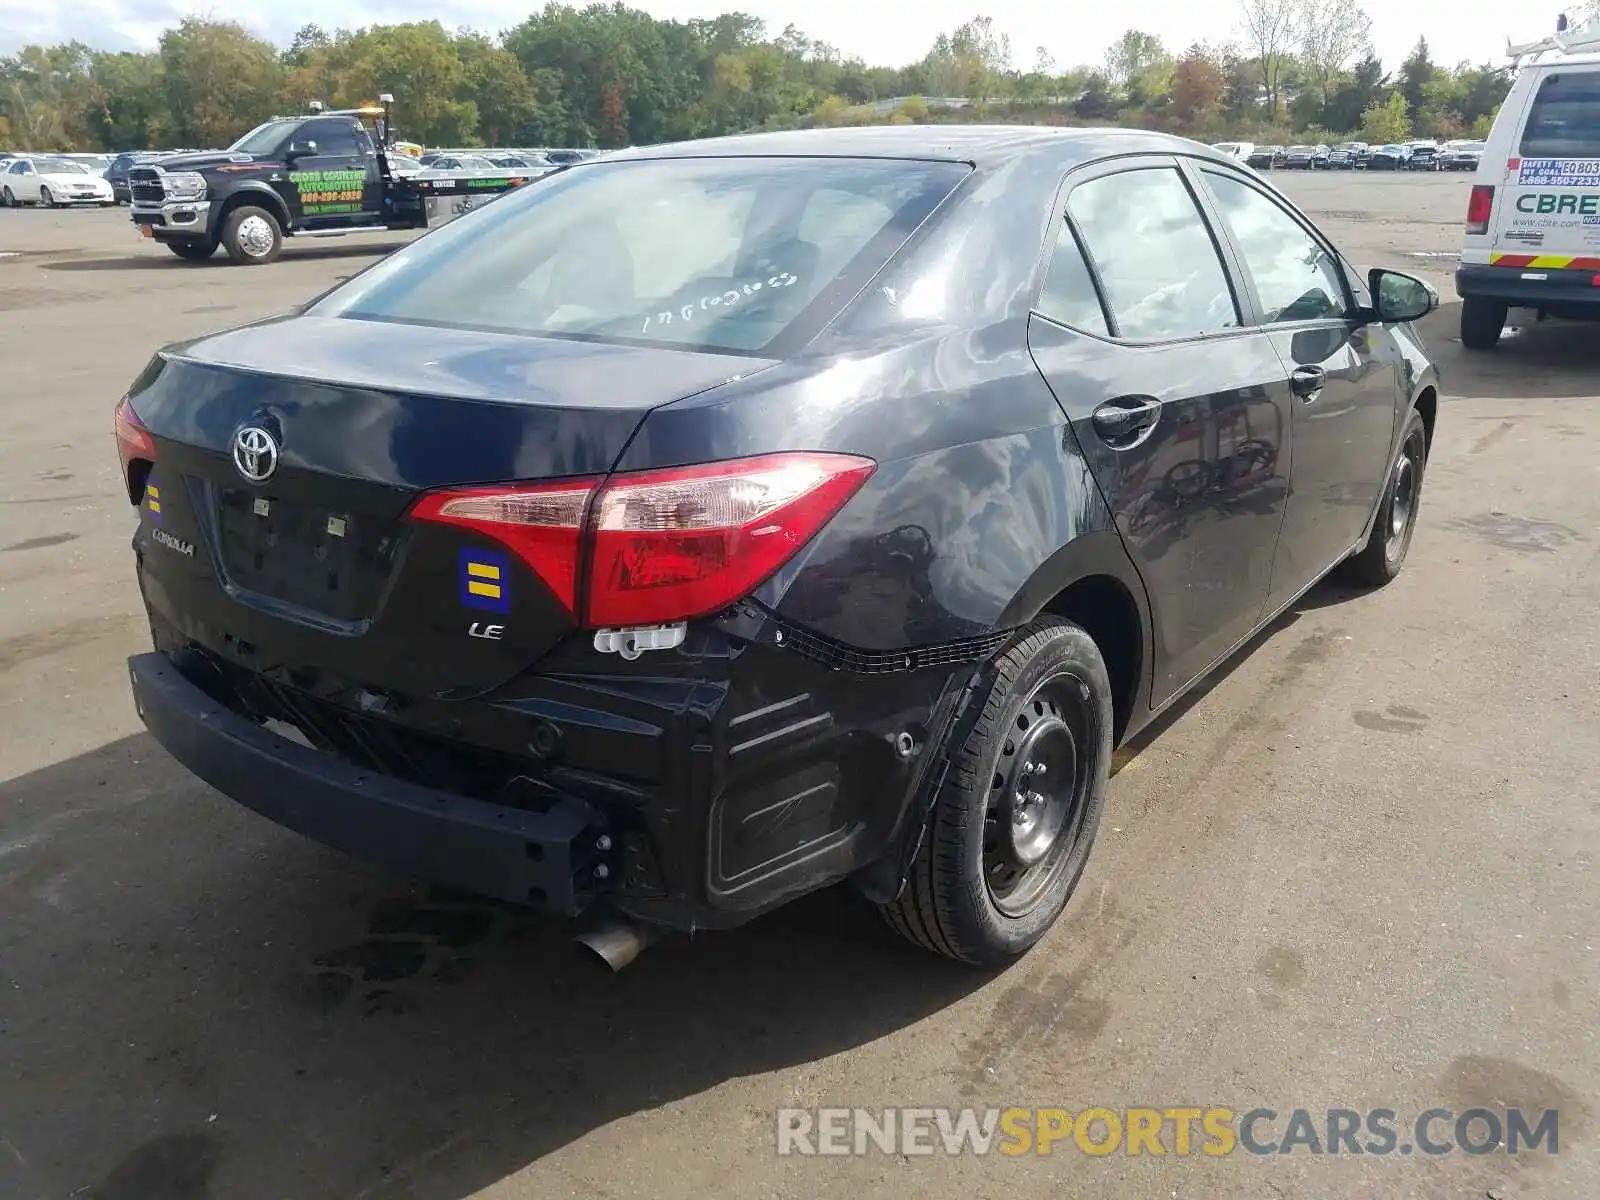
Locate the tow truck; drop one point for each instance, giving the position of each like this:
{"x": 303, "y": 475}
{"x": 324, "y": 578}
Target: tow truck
{"x": 320, "y": 174}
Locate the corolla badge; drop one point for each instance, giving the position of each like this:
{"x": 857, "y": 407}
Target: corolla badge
{"x": 255, "y": 453}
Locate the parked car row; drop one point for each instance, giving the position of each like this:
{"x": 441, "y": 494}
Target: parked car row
{"x": 1422, "y": 155}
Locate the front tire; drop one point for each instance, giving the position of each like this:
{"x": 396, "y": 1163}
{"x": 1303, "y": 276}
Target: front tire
{"x": 1381, "y": 558}
{"x": 1012, "y": 827}
{"x": 1481, "y": 322}
{"x": 45, "y": 198}
{"x": 251, "y": 236}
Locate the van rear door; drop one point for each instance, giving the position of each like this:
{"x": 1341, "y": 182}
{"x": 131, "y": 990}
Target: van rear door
{"x": 1548, "y": 213}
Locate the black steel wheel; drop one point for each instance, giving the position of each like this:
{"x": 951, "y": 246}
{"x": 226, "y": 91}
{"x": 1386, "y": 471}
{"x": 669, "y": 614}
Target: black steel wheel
{"x": 1037, "y": 797}
{"x": 1381, "y": 558}
{"x": 1011, "y": 829}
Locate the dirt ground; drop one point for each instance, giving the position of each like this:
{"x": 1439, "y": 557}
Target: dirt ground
{"x": 1358, "y": 871}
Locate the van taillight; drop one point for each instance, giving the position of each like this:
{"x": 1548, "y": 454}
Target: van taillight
{"x": 1479, "y": 207}
{"x": 659, "y": 546}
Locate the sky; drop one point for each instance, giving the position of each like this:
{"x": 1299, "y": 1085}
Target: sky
{"x": 887, "y": 33}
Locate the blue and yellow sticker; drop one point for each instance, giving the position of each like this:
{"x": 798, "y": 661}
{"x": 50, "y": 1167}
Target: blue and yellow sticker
{"x": 486, "y": 580}
{"x": 152, "y": 499}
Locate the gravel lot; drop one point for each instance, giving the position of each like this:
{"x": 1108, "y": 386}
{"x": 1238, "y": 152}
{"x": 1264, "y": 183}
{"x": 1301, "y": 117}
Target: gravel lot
{"x": 1358, "y": 871}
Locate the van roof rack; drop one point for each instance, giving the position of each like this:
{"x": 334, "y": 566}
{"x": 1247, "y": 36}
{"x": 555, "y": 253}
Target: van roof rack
{"x": 1583, "y": 40}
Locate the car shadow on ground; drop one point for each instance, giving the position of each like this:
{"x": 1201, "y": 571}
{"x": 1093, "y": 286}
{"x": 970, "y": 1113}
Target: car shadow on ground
{"x": 364, "y": 248}
{"x": 1534, "y": 360}
{"x": 203, "y": 1005}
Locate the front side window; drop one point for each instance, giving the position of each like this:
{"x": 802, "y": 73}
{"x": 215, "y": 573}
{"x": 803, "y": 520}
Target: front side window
{"x": 713, "y": 253}
{"x": 1564, "y": 121}
{"x": 264, "y": 138}
{"x": 1295, "y": 277}
{"x": 1153, "y": 252}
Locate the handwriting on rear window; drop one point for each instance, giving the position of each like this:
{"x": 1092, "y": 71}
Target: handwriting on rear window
{"x": 712, "y": 301}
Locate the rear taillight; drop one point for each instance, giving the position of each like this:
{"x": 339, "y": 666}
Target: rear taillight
{"x": 541, "y": 523}
{"x": 134, "y": 445}
{"x": 680, "y": 543}
{"x": 660, "y": 546}
{"x": 1480, "y": 205}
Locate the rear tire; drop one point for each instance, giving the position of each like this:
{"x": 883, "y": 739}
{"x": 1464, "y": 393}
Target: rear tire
{"x": 1012, "y": 827}
{"x": 251, "y": 236}
{"x": 1381, "y": 558}
{"x": 193, "y": 251}
{"x": 1481, "y": 322}
{"x": 7, "y": 200}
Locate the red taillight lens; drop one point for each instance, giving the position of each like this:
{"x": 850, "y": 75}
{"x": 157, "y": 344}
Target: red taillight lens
{"x": 1479, "y": 208}
{"x": 684, "y": 542}
{"x": 133, "y": 442}
{"x": 541, "y": 523}
{"x": 659, "y": 546}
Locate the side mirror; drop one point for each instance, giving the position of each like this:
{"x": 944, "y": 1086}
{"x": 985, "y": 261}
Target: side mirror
{"x": 302, "y": 149}
{"x": 1400, "y": 297}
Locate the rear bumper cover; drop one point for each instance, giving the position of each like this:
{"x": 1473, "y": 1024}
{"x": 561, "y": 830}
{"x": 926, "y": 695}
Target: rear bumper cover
{"x": 548, "y": 859}
{"x": 1560, "y": 292}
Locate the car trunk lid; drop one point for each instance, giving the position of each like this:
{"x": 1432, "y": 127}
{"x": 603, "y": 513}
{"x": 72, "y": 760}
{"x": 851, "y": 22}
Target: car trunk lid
{"x": 275, "y": 525}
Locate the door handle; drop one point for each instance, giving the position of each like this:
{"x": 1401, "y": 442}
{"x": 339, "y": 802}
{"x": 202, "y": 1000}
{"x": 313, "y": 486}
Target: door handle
{"x": 1124, "y": 423}
{"x": 1306, "y": 382}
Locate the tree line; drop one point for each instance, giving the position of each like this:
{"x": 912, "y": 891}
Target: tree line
{"x": 610, "y": 75}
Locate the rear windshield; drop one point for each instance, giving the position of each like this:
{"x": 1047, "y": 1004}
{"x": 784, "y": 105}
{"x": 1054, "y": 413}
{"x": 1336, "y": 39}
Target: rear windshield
{"x": 1565, "y": 119}
{"x": 707, "y": 253}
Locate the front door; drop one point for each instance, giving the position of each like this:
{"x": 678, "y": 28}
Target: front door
{"x": 338, "y": 180}
{"x": 1343, "y": 375}
{"x": 1182, "y": 412}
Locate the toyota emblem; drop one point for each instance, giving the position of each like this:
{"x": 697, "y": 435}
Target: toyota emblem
{"x": 255, "y": 453}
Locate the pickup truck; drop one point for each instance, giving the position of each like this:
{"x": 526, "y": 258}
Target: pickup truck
{"x": 321, "y": 174}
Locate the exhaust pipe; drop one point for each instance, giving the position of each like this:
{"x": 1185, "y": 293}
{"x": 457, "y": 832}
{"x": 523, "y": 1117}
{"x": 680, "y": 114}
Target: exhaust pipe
{"x": 617, "y": 942}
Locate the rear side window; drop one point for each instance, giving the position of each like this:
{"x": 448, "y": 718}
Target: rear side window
{"x": 702, "y": 253}
{"x": 1069, "y": 296}
{"x": 1564, "y": 121}
{"x": 1153, "y": 252}
{"x": 1296, "y": 279}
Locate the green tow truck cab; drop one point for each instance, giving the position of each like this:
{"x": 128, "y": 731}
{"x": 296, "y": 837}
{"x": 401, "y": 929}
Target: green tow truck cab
{"x": 321, "y": 174}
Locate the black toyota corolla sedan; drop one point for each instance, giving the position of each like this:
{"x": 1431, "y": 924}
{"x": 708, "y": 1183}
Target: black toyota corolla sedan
{"x": 711, "y": 523}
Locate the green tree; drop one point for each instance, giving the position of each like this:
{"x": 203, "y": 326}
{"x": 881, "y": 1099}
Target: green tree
{"x": 1387, "y": 121}
{"x": 1354, "y": 93}
{"x": 1331, "y": 33}
{"x": 495, "y": 84}
{"x": 1415, "y": 74}
{"x": 1270, "y": 29}
{"x": 219, "y": 80}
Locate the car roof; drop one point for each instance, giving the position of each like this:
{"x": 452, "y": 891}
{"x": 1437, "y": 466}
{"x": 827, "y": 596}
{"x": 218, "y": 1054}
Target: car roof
{"x": 982, "y": 145}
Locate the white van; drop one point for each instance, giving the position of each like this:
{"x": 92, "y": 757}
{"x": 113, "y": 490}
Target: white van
{"x": 1533, "y": 220}
{"x": 1236, "y": 150}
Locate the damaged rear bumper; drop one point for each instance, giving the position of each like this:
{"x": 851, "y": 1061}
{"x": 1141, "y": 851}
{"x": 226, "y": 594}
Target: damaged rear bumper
{"x": 549, "y": 858}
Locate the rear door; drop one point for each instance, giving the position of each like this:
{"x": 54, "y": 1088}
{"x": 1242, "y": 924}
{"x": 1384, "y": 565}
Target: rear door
{"x": 1548, "y": 214}
{"x": 1343, "y": 373}
{"x": 1180, "y": 407}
